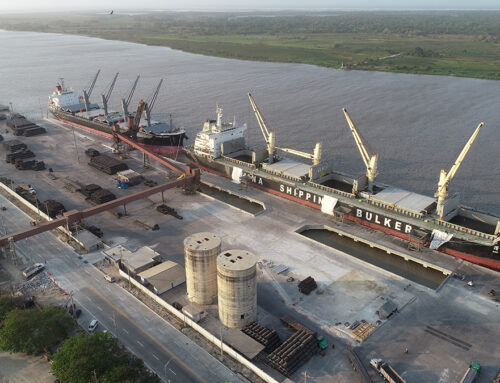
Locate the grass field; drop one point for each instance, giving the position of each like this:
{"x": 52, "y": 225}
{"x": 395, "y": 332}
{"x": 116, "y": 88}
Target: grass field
{"x": 449, "y": 48}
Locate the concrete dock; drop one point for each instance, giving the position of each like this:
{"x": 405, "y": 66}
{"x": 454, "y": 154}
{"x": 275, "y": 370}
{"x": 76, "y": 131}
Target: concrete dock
{"x": 349, "y": 289}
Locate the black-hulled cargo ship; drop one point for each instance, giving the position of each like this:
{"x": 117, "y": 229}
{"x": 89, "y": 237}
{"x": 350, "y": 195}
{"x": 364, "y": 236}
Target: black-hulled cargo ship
{"x": 74, "y": 108}
{"x": 445, "y": 226}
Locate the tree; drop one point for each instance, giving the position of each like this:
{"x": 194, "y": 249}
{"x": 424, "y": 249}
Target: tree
{"x": 8, "y": 303}
{"x": 83, "y": 355}
{"x": 33, "y": 331}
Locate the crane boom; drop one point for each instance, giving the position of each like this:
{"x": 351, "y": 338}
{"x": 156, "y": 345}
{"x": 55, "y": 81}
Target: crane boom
{"x": 260, "y": 119}
{"x": 269, "y": 137}
{"x": 126, "y": 102}
{"x": 105, "y": 98}
{"x": 88, "y": 93}
{"x": 151, "y": 102}
{"x": 370, "y": 160}
{"x": 91, "y": 87}
{"x": 446, "y": 177}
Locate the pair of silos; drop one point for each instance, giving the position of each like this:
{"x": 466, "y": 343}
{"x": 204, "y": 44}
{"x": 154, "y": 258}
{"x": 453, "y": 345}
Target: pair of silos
{"x": 230, "y": 275}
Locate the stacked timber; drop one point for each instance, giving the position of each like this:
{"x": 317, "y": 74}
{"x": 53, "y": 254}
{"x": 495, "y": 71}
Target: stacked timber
{"x": 29, "y": 165}
{"x": 307, "y": 285}
{"x": 89, "y": 189}
{"x": 102, "y": 196}
{"x": 20, "y": 125}
{"x": 95, "y": 230}
{"x": 14, "y": 145}
{"x": 130, "y": 177}
{"x": 167, "y": 210}
{"x": 295, "y": 325}
{"x": 34, "y": 131}
{"x": 497, "y": 379}
{"x": 52, "y": 208}
{"x": 106, "y": 164}
{"x": 24, "y": 153}
{"x": 293, "y": 352}
{"x": 267, "y": 337}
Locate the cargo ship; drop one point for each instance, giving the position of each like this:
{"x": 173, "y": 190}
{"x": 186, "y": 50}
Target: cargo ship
{"x": 74, "y": 108}
{"x": 438, "y": 222}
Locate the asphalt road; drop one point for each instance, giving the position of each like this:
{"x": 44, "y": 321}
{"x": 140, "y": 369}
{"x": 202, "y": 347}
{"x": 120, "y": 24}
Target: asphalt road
{"x": 164, "y": 349}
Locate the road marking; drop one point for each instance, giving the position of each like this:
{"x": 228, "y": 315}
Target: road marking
{"x": 140, "y": 344}
{"x": 172, "y": 371}
{"x": 99, "y": 307}
{"x": 125, "y": 330}
{"x": 154, "y": 356}
{"x": 172, "y": 355}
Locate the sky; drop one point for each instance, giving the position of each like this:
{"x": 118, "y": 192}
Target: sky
{"x": 117, "y": 5}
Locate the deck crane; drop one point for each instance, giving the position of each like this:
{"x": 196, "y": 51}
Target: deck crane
{"x": 126, "y": 102}
{"x": 105, "y": 98}
{"x": 370, "y": 160}
{"x": 270, "y": 139}
{"x": 151, "y": 102}
{"x": 446, "y": 177}
{"x": 88, "y": 93}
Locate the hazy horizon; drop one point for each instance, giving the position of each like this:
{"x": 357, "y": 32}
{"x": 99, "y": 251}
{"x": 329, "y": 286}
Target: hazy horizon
{"x": 220, "y": 5}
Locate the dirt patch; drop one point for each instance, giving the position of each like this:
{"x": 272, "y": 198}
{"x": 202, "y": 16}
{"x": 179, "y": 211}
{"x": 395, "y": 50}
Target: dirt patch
{"x": 20, "y": 368}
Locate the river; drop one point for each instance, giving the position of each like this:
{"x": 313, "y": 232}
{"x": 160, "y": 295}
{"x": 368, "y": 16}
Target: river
{"x": 417, "y": 124}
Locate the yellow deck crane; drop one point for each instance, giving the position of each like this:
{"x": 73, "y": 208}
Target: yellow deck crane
{"x": 446, "y": 177}
{"x": 270, "y": 139}
{"x": 370, "y": 160}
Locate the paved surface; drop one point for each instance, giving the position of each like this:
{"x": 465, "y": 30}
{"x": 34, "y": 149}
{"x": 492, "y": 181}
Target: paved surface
{"x": 454, "y": 309}
{"x": 168, "y": 352}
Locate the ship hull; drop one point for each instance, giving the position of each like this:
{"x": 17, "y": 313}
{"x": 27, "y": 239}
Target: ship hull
{"x": 164, "y": 145}
{"x": 471, "y": 252}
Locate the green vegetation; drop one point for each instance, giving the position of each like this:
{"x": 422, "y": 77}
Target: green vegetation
{"x": 84, "y": 356}
{"x": 81, "y": 358}
{"x": 8, "y": 303}
{"x": 33, "y": 331}
{"x": 446, "y": 43}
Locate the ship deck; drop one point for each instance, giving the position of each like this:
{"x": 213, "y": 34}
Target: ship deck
{"x": 426, "y": 224}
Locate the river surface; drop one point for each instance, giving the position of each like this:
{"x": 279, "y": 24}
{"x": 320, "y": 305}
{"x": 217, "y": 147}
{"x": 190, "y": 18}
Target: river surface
{"x": 417, "y": 124}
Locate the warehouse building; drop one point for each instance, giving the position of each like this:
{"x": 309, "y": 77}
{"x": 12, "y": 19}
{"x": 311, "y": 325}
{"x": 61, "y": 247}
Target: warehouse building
{"x": 163, "y": 277}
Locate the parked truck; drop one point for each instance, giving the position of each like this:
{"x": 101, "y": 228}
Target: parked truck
{"x": 386, "y": 371}
{"x": 471, "y": 374}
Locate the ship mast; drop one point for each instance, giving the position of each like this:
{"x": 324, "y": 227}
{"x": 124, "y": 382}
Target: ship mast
{"x": 370, "y": 160}
{"x": 270, "y": 139}
{"x": 446, "y": 177}
{"x": 87, "y": 94}
{"x": 105, "y": 98}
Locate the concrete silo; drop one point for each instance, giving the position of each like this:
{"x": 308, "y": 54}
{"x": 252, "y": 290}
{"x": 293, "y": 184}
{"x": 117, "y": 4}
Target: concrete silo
{"x": 237, "y": 287}
{"x": 200, "y": 254}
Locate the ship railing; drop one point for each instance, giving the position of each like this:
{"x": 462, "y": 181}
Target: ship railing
{"x": 394, "y": 208}
{"x": 463, "y": 229}
{"x": 332, "y": 190}
{"x": 239, "y": 162}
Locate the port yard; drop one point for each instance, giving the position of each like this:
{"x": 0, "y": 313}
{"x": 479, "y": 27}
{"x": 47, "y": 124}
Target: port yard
{"x": 444, "y": 326}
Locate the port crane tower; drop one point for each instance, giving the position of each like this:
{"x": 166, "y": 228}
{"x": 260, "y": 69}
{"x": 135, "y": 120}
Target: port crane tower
{"x": 105, "y": 98}
{"x": 446, "y": 177}
{"x": 370, "y": 160}
{"x": 88, "y": 93}
{"x": 270, "y": 139}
